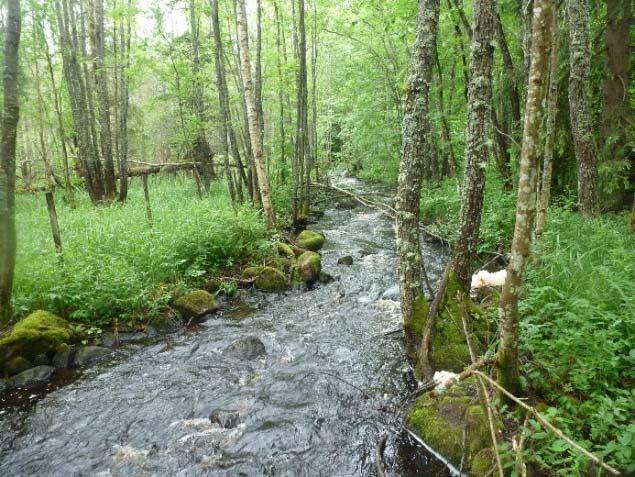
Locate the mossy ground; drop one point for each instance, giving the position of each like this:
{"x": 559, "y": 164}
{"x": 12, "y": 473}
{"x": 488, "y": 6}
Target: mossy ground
{"x": 456, "y": 426}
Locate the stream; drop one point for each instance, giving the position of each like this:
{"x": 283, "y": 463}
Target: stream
{"x": 315, "y": 404}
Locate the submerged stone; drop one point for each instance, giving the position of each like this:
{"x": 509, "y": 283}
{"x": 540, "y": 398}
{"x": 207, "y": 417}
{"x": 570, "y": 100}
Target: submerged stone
{"x": 195, "y": 304}
{"x": 39, "y": 333}
{"x": 32, "y": 377}
{"x": 325, "y": 277}
{"x": 310, "y": 240}
{"x": 247, "y": 347}
{"x": 62, "y": 358}
{"x": 225, "y": 419}
{"x": 346, "y": 260}
{"x": 308, "y": 268}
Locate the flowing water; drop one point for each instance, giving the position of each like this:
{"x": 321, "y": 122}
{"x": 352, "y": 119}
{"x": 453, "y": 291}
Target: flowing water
{"x": 329, "y": 386}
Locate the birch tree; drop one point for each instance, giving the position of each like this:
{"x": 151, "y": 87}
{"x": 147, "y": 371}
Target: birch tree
{"x": 508, "y": 376}
{"x": 10, "y": 117}
{"x": 252, "y": 114}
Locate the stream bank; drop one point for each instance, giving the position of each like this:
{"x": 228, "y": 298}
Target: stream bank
{"x": 315, "y": 403}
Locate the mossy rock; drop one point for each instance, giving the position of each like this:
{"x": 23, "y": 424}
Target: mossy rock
{"x": 308, "y": 268}
{"x": 267, "y": 279}
{"x": 310, "y": 240}
{"x": 39, "y": 333}
{"x": 196, "y": 303}
{"x": 213, "y": 285}
{"x": 17, "y": 365}
{"x": 456, "y": 426}
{"x": 285, "y": 250}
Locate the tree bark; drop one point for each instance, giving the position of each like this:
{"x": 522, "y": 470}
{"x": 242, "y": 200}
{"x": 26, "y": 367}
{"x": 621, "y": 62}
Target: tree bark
{"x": 579, "y": 91}
{"x": 508, "y": 376}
{"x": 10, "y": 117}
{"x": 252, "y": 115}
{"x": 125, "y": 32}
{"x": 476, "y": 151}
{"x": 550, "y": 136}
{"x": 281, "y": 90}
{"x": 616, "y": 107}
{"x": 415, "y": 152}
{"x": 223, "y": 101}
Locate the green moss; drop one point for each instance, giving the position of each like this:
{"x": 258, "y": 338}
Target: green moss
{"x": 39, "y": 333}
{"x": 482, "y": 463}
{"x": 17, "y": 365}
{"x": 285, "y": 250}
{"x": 271, "y": 280}
{"x": 310, "y": 240}
{"x": 196, "y": 303}
{"x": 454, "y": 425}
{"x": 251, "y": 272}
{"x": 308, "y": 268}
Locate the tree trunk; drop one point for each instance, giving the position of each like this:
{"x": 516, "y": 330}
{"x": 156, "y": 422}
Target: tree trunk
{"x": 579, "y": 91}
{"x": 616, "y": 110}
{"x": 416, "y": 151}
{"x": 101, "y": 83}
{"x": 258, "y": 72}
{"x": 223, "y": 100}
{"x": 281, "y": 91}
{"x": 10, "y": 117}
{"x": 508, "y": 376}
{"x": 125, "y": 32}
{"x": 476, "y": 151}
{"x": 550, "y": 137}
{"x": 303, "y": 133}
{"x": 252, "y": 115}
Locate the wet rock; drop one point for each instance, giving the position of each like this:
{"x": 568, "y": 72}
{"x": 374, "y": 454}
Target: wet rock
{"x": 391, "y": 293}
{"x": 248, "y": 347}
{"x": 62, "y": 358}
{"x": 196, "y": 304}
{"x": 225, "y": 419}
{"x": 32, "y": 377}
{"x": 310, "y": 240}
{"x": 90, "y": 354}
{"x": 325, "y": 277}
{"x": 451, "y": 423}
{"x": 110, "y": 340}
{"x": 164, "y": 324}
{"x": 39, "y": 333}
{"x": 267, "y": 279}
{"x": 41, "y": 359}
{"x": 17, "y": 365}
{"x": 346, "y": 203}
{"x": 308, "y": 268}
{"x": 4, "y": 385}
{"x": 346, "y": 260}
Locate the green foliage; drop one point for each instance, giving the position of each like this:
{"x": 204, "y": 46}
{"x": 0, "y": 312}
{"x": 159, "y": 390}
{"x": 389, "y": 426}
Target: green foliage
{"x": 579, "y": 329}
{"x": 441, "y": 206}
{"x": 115, "y": 264}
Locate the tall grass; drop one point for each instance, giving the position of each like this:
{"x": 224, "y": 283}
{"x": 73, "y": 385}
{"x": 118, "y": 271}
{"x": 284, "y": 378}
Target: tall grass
{"x": 115, "y": 264}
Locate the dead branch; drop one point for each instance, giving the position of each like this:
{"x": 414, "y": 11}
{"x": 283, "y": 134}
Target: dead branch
{"x": 379, "y": 455}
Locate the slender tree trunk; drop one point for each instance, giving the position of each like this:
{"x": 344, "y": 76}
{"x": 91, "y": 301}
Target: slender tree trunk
{"x": 415, "y": 153}
{"x": 258, "y": 72}
{"x": 10, "y": 117}
{"x": 125, "y": 33}
{"x": 200, "y": 148}
{"x": 101, "y": 83}
{"x": 252, "y": 114}
{"x": 281, "y": 91}
{"x": 508, "y": 376}
{"x": 476, "y": 151}
{"x": 314, "y": 92}
{"x": 223, "y": 100}
{"x": 616, "y": 107}
{"x": 304, "y": 153}
{"x": 552, "y": 111}
{"x": 579, "y": 91}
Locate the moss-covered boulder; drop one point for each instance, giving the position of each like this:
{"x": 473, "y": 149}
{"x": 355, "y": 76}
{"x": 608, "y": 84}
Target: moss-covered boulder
{"x": 267, "y": 279}
{"x": 17, "y": 365}
{"x": 456, "y": 426}
{"x": 310, "y": 240}
{"x": 195, "y": 304}
{"x": 285, "y": 250}
{"x": 39, "y": 333}
{"x": 308, "y": 268}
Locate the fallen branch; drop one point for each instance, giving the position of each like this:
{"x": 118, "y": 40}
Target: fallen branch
{"x": 424, "y": 353}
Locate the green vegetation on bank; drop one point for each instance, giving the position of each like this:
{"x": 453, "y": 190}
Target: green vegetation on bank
{"x": 115, "y": 265}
